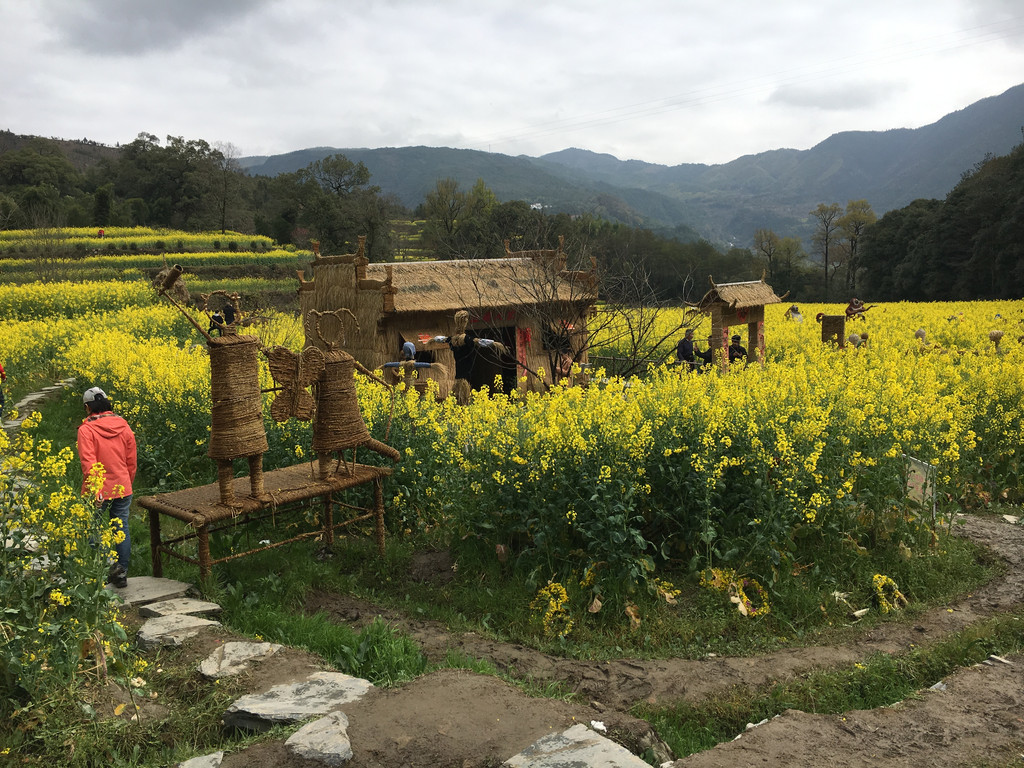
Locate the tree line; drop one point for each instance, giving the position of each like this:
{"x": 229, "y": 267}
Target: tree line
{"x": 967, "y": 246}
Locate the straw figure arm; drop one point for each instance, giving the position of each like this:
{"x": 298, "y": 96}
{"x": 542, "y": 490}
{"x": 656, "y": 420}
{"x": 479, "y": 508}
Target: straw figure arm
{"x": 373, "y": 444}
{"x": 174, "y": 284}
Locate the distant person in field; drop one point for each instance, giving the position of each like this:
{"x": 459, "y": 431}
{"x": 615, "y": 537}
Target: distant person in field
{"x": 737, "y": 352}
{"x": 708, "y": 355}
{"x": 3, "y": 378}
{"x": 684, "y": 350}
{"x": 793, "y": 313}
{"x": 105, "y": 438}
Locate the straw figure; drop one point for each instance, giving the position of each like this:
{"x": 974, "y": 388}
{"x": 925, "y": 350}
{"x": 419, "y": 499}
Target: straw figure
{"x": 995, "y": 337}
{"x": 176, "y": 289}
{"x": 236, "y": 428}
{"x": 833, "y": 328}
{"x": 410, "y": 369}
{"x": 338, "y": 423}
{"x": 294, "y": 373}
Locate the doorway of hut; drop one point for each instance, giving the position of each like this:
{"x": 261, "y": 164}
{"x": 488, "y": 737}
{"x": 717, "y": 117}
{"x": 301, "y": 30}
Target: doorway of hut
{"x": 482, "y": 365}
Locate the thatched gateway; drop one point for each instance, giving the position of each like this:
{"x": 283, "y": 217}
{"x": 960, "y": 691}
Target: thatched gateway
{"x": 527, "y": 313}
{"x": 732, "y": 304}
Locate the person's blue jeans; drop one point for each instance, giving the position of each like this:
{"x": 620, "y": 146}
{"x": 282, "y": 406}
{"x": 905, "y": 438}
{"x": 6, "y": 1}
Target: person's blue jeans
{"x": 118, "y": 510}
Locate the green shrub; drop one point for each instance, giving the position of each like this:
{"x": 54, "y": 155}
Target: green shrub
{"x": 59, "y": 622}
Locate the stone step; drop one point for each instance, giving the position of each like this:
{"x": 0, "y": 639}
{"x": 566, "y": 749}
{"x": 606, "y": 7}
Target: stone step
{"x": 235, "y": 657}
{"x": 319, "y": 694}
{"x": 324, "y": 740}
{"x": 142, "y": 590}
{"x": 577, "y": 746}
{"x": 172, "y": 630}
{"x": 185, "y": 605}
{"x": 206, "y": 761}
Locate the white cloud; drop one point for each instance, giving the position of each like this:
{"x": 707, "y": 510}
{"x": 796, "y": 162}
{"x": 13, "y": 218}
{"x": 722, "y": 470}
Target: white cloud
{"x": 657, "y": 80}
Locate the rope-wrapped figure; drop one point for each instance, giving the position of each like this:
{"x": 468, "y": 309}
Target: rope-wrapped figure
{"x": 338, "y": 423}
{"x": 236, "y": 423}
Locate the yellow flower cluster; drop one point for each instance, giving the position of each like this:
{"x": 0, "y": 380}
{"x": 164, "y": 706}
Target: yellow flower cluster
{"x": 738, "y": 588}
{"x": 887, "y": 593}
{"x": 551, "y": 602}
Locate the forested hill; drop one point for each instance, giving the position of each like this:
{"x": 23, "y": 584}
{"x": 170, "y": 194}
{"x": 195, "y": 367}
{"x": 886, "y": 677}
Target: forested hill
{"x": 726, "y": 203}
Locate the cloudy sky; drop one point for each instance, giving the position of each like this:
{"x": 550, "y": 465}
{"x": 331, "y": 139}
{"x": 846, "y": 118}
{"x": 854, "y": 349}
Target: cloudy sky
{"x": 666, "y": 81}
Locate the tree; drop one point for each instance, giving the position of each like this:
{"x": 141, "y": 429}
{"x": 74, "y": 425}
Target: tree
{"x": 102, "y": 205}
{"x": 826, "y": 235}
{"x": 339, "y": 175}
{"x": 766, "y": 245}
{"x": 442, "y": 208}
{"x": 337, "y": 204}
{"x": 176, "y": 182}
{"x": 226, "y": 192}
{"x": 852, "y": 225}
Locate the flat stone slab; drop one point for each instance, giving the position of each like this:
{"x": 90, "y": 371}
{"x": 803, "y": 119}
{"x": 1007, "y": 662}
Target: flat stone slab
{"x": 234, "y": 657}
{"x": 324, "y": 740}
{"x": 172, "y": 630}
{"x": 179, "y": 605}
{"x": 206, "y": 761}
{"x": 149, "y": 589}
{"x": 318, "y": 694}
{"x": 578, "y": 746}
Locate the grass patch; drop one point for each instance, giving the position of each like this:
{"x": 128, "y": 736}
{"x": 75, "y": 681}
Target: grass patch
{"x": 74, "y": 728}
{"x": 880, "y": 680}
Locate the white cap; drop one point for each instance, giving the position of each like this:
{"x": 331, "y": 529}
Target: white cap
{"x": 93, "y": 394}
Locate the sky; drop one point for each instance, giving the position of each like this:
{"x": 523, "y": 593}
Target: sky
{"x": 663, "y": 81}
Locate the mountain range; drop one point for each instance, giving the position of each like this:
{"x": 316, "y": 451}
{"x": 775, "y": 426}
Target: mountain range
{"x": 723, "y": 203}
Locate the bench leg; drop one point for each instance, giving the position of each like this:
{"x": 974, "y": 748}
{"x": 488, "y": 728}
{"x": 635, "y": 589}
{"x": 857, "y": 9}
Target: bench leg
{"x": 203, "y": 537}
{"x": 378, "y": 512}
{"x": 154, "y": 543}
{"x": 328, "y": 520}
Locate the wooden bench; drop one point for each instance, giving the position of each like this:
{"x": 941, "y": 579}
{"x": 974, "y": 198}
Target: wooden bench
{"x": 201, "y": 510}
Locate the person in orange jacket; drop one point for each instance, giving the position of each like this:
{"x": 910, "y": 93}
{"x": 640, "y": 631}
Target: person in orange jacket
{"x": 105, "y": 438}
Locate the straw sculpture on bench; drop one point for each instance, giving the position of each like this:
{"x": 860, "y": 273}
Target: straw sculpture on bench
{"x": 338, "y": 424}
{"x": 236, "y": 428}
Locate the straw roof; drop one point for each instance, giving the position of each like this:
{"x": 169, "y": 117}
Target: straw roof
{"x": 447, "y": 286}
{"x": 755, "y": 293}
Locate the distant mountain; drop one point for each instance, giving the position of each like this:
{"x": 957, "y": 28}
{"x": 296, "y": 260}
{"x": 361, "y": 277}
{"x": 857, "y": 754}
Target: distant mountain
{"x": 724, "y": 203}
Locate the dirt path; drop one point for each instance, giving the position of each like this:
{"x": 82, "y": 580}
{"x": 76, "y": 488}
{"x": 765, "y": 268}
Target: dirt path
{"x": 977, "y": 720}
{"x": 619, "y": 684}
{"x": 458, "y": 718}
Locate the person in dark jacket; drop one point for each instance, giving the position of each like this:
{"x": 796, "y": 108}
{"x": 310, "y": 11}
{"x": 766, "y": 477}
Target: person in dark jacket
{"x": 684, "y": 349}
{"x": 736, "y": 350}
{"x": 105, "y": 439}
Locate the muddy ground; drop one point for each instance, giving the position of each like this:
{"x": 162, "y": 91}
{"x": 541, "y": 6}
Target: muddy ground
{"x": 457, "y": 718}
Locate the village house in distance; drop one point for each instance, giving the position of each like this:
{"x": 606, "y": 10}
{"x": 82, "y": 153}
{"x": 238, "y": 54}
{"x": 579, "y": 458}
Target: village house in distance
{"x": 476, "y": 321}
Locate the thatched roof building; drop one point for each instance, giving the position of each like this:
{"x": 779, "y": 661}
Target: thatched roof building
{"x": 528, "y": 303}
{"x": 735, "y": 304}
{"x": 754, "y": 293}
